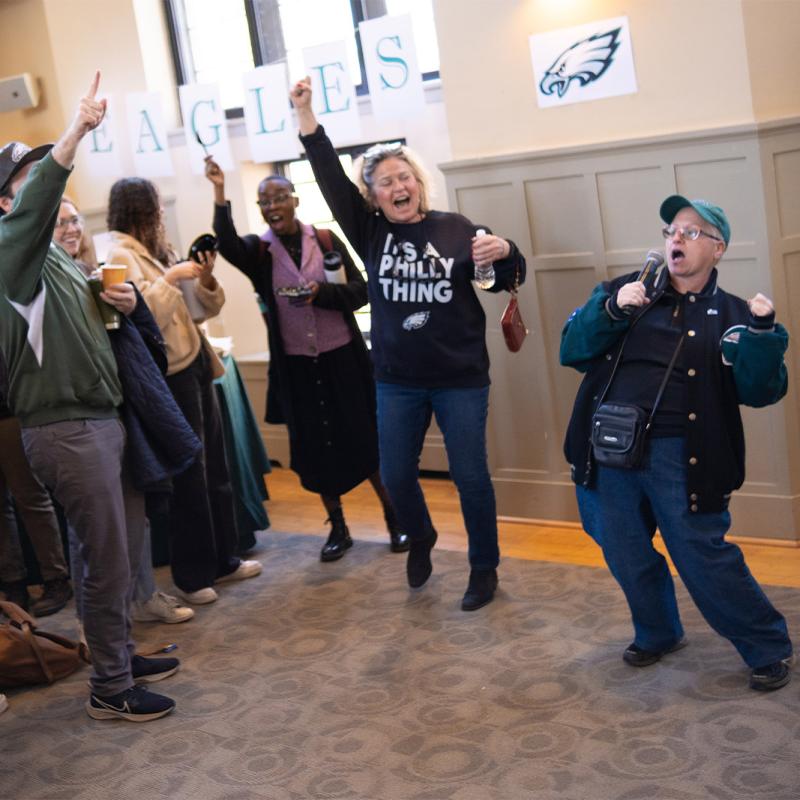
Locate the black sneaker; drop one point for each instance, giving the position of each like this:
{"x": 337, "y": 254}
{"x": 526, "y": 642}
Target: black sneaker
{"x": 150, "y": 670}
{"x": 770, "y": 677}
{"x": 480, "y": 590}
{"x": 135, "y": 704}
{"x": 639, "y": 657}
{"x": 418, "y": 565}
{"x": 56, "y": 595}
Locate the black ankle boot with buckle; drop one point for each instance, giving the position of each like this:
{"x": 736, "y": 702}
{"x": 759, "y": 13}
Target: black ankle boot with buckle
{"x": 398, "y": 539}
{"x": 339, "y": 540}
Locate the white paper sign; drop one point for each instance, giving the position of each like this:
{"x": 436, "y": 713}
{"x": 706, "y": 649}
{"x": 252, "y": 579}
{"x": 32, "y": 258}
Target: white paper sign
{"x": 390, "y": 58}
{"x": 267, "y": 115}
{"x": 205, "y": 126}
{"x": 588, "y": 62}
{"x": 103, "y": 147}
{"x": 333, "y": 94}
{"x": 148, "y": 135}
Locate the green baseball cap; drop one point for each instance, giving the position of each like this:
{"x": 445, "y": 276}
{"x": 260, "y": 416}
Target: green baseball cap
{"x": 712, "y": 214}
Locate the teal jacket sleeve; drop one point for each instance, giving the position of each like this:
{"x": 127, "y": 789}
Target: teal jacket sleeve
{"x": 590, "y": 331}
{"x": 756, "y": 358}
{"x": 26, "y": 231}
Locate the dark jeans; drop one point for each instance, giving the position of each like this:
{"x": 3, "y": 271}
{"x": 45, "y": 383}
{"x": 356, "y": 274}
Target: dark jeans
{"x": 34, "y": 507}
{"x": 203, "y": 526}
{"x": 404, "y": 415}
{"x": 621, "y": 514}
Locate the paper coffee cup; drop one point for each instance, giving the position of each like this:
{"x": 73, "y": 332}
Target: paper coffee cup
{"x": 113, "y": 273}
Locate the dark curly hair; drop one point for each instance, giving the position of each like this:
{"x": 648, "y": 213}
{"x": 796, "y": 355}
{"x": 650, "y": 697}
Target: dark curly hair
{"x": 134, "y": 207}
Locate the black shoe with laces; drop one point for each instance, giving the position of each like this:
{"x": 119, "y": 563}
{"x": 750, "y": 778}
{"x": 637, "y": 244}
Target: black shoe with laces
{"x": 339, "y": 540}
{"x": 770, "y": 677}
{"x": 150, "y": 670}
{"x": 135, "y": 705}
{"x": 480, "y": 590}
{"x": 639, "y": 657}
{"x": 418, "y": 565}
{"x": 56, "y": 595}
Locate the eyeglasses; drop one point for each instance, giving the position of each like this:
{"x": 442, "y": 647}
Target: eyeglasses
{"x": 690, "y": 233}
{"x": 279, "y": 199}
{"x": 65, "y": 222}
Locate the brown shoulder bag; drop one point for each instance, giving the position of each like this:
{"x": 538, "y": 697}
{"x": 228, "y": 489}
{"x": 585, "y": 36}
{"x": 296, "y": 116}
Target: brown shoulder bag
{"x": 30, "y": 656}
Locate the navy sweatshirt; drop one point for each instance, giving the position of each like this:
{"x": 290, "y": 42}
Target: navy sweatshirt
{"x": 428, "y": 327}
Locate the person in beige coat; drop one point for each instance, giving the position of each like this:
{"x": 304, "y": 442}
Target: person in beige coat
{"x": 203, "y": 536}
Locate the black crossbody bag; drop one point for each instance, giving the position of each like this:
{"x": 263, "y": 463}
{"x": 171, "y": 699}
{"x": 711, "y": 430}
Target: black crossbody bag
{"x": 619, "y": 430}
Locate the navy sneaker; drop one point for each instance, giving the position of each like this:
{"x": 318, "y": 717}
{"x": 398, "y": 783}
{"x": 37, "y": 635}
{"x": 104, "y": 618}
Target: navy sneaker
{"x": 639, "y": 657}
{"x": 770, "y": 677}
{"x": 135, "y": 705}
{"x": 150, "y": 670}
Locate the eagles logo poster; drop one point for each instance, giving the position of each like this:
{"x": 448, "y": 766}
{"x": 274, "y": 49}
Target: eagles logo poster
{"x": 588, "y": 62}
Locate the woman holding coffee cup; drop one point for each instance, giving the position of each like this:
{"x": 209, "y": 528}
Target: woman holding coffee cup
{"x": 320, "y": 374}
{"x": 203, "y": 531}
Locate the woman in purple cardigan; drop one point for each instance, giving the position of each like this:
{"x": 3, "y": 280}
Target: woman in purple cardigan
{"x": 320, "y": 375}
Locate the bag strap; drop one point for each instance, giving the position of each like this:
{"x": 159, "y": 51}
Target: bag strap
{"x": 661, "y": 388}
{"x": 324, "y": 239}
{"x": 30, "y": 638}
{"x": 16, "y": 613}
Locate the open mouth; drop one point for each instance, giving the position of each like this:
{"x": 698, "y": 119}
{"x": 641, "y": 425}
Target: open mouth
{"x": 401, "y": 202}
{"x": 275, "y": 219}
{"x": 677, "y": 255}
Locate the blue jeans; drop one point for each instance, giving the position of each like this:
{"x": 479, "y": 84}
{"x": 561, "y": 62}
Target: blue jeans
{"x": 404, "y": 414}
{"x": 621, "y": 514}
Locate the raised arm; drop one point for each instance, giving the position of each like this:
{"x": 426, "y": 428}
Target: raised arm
{"x": 246, "y": 253}
{"x": 340, "y": 193}
{"x": 26, "y": 231}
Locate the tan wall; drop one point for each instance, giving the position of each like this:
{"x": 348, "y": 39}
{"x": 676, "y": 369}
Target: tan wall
{"x": 771, "y": 29}
{"x": 694, "y": 64}
{"x": 25, "y": 37}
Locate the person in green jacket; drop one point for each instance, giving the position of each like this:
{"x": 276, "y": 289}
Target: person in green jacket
{"x": 64, "y": 388}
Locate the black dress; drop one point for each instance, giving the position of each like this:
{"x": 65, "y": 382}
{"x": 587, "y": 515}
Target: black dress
{"x": 327, "y": 401}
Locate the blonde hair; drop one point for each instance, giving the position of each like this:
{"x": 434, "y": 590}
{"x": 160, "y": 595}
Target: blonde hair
{"x": 366, "y": 164}
{"x": 86, "y": 254}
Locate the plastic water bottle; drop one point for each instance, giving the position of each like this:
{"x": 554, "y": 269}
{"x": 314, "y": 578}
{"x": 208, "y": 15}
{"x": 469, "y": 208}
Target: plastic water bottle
{"x": 484, "y": 275}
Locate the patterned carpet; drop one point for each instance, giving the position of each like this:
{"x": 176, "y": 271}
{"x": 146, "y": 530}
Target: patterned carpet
{"x": 336, "y": 681}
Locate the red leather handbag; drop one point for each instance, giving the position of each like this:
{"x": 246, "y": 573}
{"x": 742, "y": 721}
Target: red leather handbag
{"x": 511, "y": 323}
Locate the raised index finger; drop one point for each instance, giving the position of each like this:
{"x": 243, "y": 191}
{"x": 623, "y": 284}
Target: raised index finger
{"x": 94, "y": 84}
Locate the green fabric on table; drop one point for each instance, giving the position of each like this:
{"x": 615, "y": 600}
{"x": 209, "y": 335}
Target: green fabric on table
{"x": 247, "y": 457}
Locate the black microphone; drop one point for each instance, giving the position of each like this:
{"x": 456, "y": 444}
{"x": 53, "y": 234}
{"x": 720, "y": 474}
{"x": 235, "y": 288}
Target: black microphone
{"x": 653, "y": 260}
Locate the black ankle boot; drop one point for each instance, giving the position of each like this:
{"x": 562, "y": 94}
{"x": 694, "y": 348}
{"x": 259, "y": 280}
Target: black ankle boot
{"x": 339, "y": 539}
{"x": 418, "y": 566}
{"x": 481, "y": 589}
{"x": 398, "y": 539}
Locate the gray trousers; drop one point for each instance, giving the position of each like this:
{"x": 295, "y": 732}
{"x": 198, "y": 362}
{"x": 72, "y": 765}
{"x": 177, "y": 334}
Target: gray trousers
{"x": 34, "y": 508}
{"x": 81, "y": 463}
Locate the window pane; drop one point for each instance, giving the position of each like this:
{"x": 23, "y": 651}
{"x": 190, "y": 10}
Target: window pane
{"x": 307, "y": 23}
{"x": 313, "y": 210}
{"x": 220, "y": 43}
{"x": 424, "y": 30}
